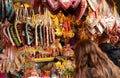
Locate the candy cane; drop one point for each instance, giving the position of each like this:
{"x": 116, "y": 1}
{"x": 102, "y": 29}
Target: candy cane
{"x": 44, "y": 35}
{"x": 36, "y": 35}
{"x": 47, "y": 34}
{"x": 50, "y": 34}
{"x": 27, "y": 34}
{"x": 11, "y": 40}
{"x": 41, "y": 34}
{"x": 53, "y": 35}
{"x": 4, "y": 31}
{"x": 14, "y": 37}
{"x": 3, "y": 11}
{"x": 17, "y": 33}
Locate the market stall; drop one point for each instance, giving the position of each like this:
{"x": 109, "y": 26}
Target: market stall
{"x": 38, "y": 36}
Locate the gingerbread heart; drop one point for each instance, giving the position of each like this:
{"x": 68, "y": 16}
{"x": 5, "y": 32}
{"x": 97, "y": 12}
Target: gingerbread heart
{"x": 110, "y": 22}
{"x": 114, "y": 39}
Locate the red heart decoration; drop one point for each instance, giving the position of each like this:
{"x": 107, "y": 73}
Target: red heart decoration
{"x": 65, "y": 4}
{"x": 114, "y": 39}
{"x": 53, "y": 4}
{"x": 75, "y": 3}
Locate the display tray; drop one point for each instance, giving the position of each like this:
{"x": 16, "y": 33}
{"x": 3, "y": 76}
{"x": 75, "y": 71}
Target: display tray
{"x": 44, "y": 59}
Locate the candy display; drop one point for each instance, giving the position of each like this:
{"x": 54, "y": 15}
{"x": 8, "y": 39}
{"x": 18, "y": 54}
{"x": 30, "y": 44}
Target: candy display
{"x": 37, "y": 37}
{"x": 7, "y": 11}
